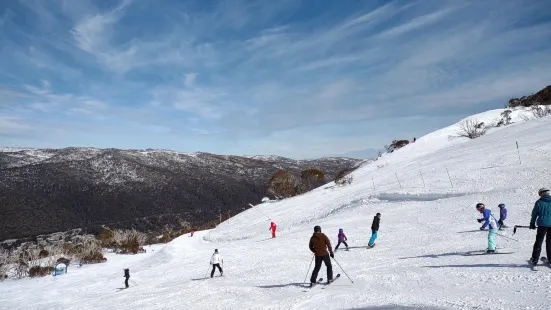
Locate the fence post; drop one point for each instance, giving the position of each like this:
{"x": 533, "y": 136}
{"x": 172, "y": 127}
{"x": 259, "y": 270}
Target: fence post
{"x": 398, "y": 180}
{"x": 518, "y": 151}
{"x": 449, "y": 177}
{"x": 373, "y": 183}
{"x": 422, "y": 177}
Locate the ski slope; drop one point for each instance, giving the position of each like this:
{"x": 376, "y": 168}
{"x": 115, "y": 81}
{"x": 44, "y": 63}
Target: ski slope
{"x": 428, "y": 226}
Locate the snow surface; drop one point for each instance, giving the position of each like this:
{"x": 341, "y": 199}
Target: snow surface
{"x": 419, "y": 262}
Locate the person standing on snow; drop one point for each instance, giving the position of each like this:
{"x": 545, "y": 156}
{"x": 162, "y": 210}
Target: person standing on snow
{"x": 273, "y": 229}
{"x": 126, "y": 276}
{"x": 342, "y": 239}
{"x": 374, "y": 229}
{"x": 502, "y": 216}
{"x": 319, "y": 243}
{"x": 215, "y": 261}
{"x": 490, "y": 222}
{"x": 542, "y": 214}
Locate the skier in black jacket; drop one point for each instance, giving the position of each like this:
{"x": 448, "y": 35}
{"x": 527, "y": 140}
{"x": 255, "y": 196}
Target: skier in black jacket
{"x": 374, "y": 230}
{"x": 127, "y": 276}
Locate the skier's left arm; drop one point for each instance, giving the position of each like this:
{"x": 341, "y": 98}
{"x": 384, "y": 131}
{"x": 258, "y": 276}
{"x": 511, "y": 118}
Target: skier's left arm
{"x": 486, "y": 219}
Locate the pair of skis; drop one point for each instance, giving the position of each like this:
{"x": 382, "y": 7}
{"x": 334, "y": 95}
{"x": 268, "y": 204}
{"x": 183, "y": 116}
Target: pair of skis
{"x": 320, "y": 280}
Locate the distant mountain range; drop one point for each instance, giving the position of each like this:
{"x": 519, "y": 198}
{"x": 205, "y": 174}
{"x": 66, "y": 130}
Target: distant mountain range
{"x": 50, "y": 190}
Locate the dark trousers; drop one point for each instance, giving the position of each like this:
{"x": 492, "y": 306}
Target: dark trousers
{"x": 317, "y": 268}
{"x": 214, "y": 266}
{"x": 126, "y": 282}
{"x": 542, "y": 231}
{"x": 340, "y": 244}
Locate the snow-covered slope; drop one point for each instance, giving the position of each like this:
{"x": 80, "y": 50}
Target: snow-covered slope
{"x": 428, "y": 227}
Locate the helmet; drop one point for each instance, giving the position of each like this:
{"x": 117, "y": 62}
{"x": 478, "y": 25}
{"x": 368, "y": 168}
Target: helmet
{"x": 317, "y": 229}
{"x": 542, "y": 191}
{"x": 378, "y": 214}
{"x": 215, "y": 250}
{"x": 479, "y": 205}
{"x": 501, "y": 205}
{"x": 340, "y": 229}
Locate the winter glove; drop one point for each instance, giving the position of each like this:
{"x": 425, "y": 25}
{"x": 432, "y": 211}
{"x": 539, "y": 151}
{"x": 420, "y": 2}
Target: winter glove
{"x": 480, "y": 220}
{"x": 532, "y": 226}
{"x": 332, "y": 255}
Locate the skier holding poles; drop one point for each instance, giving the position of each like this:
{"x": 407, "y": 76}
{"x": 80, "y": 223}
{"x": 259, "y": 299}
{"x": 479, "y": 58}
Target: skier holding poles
{"x": 319, "y": 244}
{"x": 541, "y": 215}
{"x": 490, "y": 222}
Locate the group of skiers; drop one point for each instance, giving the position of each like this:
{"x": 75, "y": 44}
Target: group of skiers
{"x": 541, "y": 215}
{"x": 323, "y": 251}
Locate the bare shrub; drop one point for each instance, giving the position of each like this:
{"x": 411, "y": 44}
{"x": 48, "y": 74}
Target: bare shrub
{"x": 39, "y": 271}
{"x": 470, "y": 128}
{"x": 4, "y": 263}
{"x": 282, "y": 184}
{"x": 505, "y": 118}
{"x": 343, "y": 177}
{"x": 63, "y": 260}
{"x": 395, "y": 145}
{"x": 89, "y": 252}
{"x": 539, "y": 111}
{"x": 310, "y": 179}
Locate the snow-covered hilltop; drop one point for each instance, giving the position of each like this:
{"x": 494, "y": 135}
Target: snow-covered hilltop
{"x": 426, "y": 193}
{"x": 50, "y": 190}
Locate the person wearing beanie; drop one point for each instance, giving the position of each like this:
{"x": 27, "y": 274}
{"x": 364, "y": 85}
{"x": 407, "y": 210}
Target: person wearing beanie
{"x": 215, "y": 261}
{"x": 319, "y": 244}
{"x": 490, "y": 222}
{"x": 541, "y": 215}
{"x": 341, "y": 239}
{"x": 374, "y": 230}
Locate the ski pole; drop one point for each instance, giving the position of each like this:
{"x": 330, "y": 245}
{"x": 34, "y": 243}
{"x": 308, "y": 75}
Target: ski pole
{"x": 309, "y": 268}
{"x": 260, "y": 211}
{"x": 507, "y": 237}
{"x": 134, "y": 282}
{"x": 343, "y": 270}
{"x": 206, "y": 274}
{"x": 518, "y": 226}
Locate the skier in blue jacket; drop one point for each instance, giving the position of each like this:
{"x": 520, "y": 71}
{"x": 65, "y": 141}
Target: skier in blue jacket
{"x": 490, "y": 222}
{"x": 542, "y": 214}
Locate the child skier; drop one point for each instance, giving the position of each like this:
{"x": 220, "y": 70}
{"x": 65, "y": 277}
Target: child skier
{"x": 374, "y": 230}
{"x": 215, "y": 261}
{"x": 342, "y": 239}
{"x": 273, "y": 229}
{"x": 502, "y": 216}
{"x": 490, "y": 222}
{"x": 126, "y": 276}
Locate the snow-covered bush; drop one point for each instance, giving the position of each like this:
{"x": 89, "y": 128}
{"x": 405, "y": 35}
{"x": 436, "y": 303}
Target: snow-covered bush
{"x": 89, "y": 252}
{"x": 395, "y": 145}
{"x": 40, "y": 271}
{"x": 505, "y": 119}
{"x": 470, "y": 128}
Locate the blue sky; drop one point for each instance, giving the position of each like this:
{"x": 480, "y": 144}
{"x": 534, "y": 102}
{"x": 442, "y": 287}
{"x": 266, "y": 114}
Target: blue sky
{"x": 295, "y": 78}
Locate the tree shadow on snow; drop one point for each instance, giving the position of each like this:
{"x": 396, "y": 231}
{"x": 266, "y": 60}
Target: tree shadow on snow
{"x": 302, "y": 284}
{"x": 352, "y": 247}
{"x": 198, "y": 279}
{"x": 480, "y": 266}
{"x": 396, "y": 307}
{"x": 441, "y": 255}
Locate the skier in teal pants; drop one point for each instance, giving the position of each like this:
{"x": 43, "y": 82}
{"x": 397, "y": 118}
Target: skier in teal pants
{"x": 490, "y": 222}
{"x": 374, "y": 230}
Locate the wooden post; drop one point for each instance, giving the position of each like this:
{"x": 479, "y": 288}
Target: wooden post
{"x": 518, "y": 151}
{"x": 422, "y": 177}
{"x": 398, "y": 179}
{"x": 373, "y": 183}
{"x": 449, "y": 177}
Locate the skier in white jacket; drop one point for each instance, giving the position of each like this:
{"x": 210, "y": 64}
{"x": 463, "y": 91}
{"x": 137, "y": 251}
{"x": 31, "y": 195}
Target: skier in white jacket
{"x": 215, "y": 261}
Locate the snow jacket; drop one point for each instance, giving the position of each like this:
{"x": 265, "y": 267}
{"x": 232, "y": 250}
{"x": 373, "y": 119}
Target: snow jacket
{"x": 489, "y": 220}
{"x": 216, "y": 259}
{"x": 542, "y": 212}
{"x": 342, "y": 237}
{"x": 375, "y": 224}
{"x": 502, "y": 213}
{"x": 126, "y": 273}
{"x": 319, "y": 243}
{"x": 273, "y": 226}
